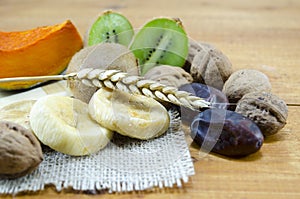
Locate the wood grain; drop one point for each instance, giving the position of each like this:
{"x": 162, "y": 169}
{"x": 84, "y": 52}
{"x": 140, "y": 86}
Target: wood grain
{"x": 263, "y": 35}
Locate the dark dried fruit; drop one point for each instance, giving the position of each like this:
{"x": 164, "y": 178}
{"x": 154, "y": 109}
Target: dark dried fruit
{"x": 226, "y": 132}
{"x": 210, "y": 94}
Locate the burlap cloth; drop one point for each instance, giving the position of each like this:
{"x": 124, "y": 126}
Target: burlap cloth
{"x": 124, "y": 165}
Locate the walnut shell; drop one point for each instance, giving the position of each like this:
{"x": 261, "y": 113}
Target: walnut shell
{"x": 245, "y": 81}
{"x": 267, "y": 110}
{"x": 194, "y": 48}
{"x": 169, "y": 75}
{"x": 211, "y": 67}
{"x": 20, "y": 151}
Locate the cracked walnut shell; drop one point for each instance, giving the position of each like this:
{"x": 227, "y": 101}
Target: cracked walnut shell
{"x": 267, "y": 110}
{"x": 211, "y": 67}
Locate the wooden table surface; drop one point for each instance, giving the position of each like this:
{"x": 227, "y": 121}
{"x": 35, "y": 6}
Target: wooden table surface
{"x": 262, "y": 35}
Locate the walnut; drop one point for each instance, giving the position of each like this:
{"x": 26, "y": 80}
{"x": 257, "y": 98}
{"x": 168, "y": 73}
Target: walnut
{"x": 210, "y": 66}
{"x": 267, "y": 110}
{"x": 194, "y": 49}
{"x": 20, "y": 151}
{"x": 169, "y": 75}
{"x": 245, "y": 81}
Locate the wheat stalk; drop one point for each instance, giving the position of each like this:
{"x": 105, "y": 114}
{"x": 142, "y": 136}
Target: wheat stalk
{"x": 115, "y": 79}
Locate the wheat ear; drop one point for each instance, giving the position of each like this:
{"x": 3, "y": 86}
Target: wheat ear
{"x": 115, "y": 79}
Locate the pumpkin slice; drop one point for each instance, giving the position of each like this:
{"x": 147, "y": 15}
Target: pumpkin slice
{"x": 41, "y": 51}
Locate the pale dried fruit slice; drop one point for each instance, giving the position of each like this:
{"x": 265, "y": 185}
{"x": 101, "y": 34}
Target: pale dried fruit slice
{"x": 17, "y": 112}
{"x": 63, "y": 124}
{"x": 131, "y": 115}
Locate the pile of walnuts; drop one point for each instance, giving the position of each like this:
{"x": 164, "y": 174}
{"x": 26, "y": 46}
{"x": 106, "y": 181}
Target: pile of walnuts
{"x": 248, "y": 90}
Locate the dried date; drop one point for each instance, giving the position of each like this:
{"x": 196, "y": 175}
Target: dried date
{"x": 210, "y": 94}
{"x": 226, "y": 132}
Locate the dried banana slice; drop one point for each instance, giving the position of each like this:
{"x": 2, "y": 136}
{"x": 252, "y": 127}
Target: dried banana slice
{"x": 64, "y": 124}
{"x": 131, "y": 115}
{"x": 17, "y": 112}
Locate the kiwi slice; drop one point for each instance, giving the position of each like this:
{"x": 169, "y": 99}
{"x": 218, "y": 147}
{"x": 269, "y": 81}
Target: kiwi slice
{"x": 110, "y": 27}
{"x": 161, "y": 41}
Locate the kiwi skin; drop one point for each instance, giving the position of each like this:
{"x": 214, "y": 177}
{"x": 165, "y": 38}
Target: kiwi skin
{"x": 100, "y": 56}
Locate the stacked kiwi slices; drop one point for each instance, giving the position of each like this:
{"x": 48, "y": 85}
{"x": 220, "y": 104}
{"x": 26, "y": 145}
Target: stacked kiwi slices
{"x": 161, "y": 41}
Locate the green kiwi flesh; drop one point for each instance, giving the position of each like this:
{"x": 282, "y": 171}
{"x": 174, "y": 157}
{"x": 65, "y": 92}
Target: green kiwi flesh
{"x": 161, "y": 41}
{"x": 110, "y": 27}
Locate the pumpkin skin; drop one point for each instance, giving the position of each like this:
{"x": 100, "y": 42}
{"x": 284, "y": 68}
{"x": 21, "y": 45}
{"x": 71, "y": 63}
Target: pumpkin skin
{"x": 41, "y": 51}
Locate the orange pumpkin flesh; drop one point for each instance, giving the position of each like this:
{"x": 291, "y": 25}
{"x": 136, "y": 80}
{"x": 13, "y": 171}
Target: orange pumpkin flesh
{"x": 40, "y": 51}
